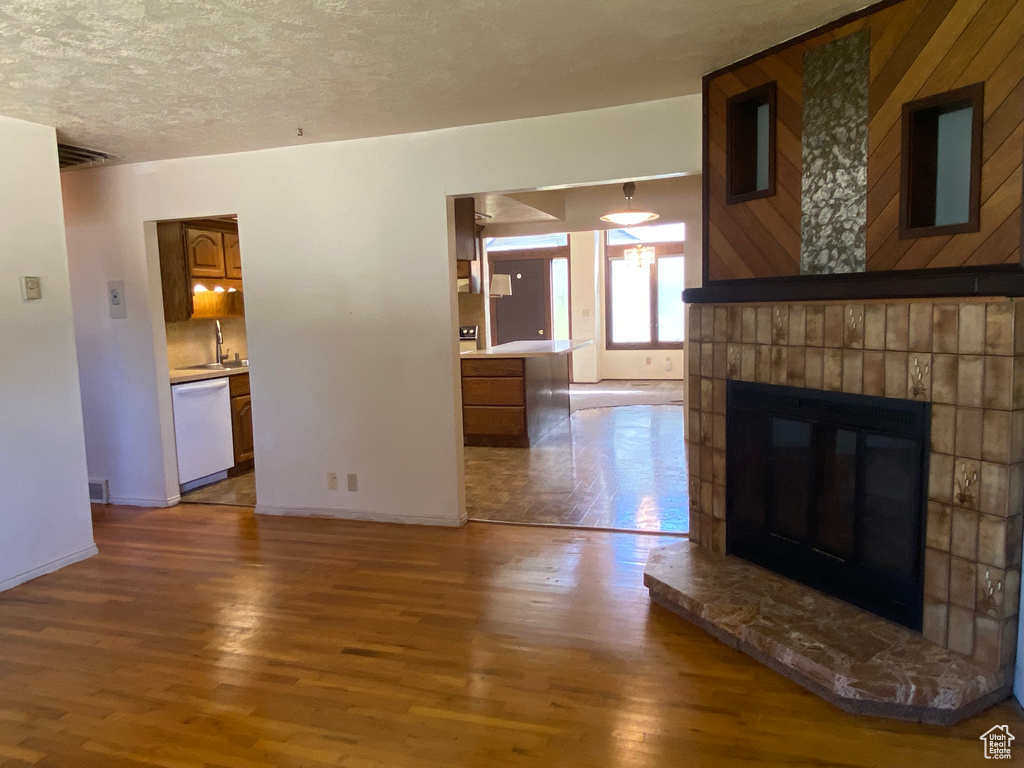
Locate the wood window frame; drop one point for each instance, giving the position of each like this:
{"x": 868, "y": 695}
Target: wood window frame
{"x": 763, "y": 94}
{"x": 918, "y": 148}
{"x": 616, "y": 253}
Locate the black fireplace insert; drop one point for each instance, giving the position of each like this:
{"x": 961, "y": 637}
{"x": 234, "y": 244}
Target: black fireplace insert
{"x": 828, "y": 489}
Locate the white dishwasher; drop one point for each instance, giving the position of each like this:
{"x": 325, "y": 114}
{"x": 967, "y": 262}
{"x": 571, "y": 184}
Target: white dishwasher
{"x": 202, "y": 428}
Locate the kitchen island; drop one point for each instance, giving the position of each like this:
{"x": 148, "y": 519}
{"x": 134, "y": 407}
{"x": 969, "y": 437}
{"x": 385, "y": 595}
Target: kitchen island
{"x": 515, "y": 393}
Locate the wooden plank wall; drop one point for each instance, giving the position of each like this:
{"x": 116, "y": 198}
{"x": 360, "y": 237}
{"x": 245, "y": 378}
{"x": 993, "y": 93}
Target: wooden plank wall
{"x": 919, "y": 48}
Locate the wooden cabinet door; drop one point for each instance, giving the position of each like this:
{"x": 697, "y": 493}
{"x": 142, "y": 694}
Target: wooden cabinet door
{"x": 205, "y": 252}
{"x": 232, "y": 256}
{"x": 241, "y": 428}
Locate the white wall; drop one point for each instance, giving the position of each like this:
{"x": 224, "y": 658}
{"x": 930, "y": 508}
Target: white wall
{"x": 45, "y": 520}
{"x": 330, "y": 234}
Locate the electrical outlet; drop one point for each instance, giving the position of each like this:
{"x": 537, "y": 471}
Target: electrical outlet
{"x": 648, "y": 361}
{"x": 332, "y": 481}
{"x": 115, "y": 298}
{"x": 353, "y": 482}
{"x": 31, "y": 288}
{"x": 668, "y": 363}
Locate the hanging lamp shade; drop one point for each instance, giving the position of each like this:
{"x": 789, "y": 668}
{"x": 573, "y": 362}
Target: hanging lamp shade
{"x": 629, "y": 217}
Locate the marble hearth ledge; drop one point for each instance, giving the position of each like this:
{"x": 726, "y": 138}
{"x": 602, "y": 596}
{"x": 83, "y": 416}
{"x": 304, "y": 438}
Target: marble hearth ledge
{"x": 859, "y": 662}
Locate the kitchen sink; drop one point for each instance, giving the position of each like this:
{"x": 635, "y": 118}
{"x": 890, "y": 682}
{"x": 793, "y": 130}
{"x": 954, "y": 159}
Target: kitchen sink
{"x": 230, "y": 365}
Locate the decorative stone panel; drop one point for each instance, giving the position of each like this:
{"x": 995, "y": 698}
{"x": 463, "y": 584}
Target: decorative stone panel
{"x": 966, "y": 358}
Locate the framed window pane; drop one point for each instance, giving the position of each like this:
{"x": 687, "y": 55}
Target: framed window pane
{"x": 526, "y": 242}
{"x": 560, "y": 299}
{"x": 653, "y": 233}
{"x": 671, "y": 311}
{"x": 631, "y": 303}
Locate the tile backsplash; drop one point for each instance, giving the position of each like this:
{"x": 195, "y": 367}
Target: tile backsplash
{"x": 193, "y": 342}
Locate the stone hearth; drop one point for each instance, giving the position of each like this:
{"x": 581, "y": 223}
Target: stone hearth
{"x": 964, "y": 357}
{"x": 857, "y": 661}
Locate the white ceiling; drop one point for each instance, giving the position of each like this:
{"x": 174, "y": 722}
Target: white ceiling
{"x": 151, "y": 79}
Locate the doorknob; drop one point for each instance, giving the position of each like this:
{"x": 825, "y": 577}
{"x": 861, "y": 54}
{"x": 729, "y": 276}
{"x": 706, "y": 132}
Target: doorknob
{"x": 541, "y": 332}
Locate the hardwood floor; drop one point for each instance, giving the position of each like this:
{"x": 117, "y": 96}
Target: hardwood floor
{"x": 204, "y": 636}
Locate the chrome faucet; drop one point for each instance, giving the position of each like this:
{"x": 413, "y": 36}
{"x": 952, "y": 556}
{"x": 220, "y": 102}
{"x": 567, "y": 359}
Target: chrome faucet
{"x": 220, "y": 342}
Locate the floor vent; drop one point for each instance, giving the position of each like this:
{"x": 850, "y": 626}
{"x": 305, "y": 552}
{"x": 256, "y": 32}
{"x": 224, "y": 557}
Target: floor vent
{"x": 80, "y": 157}
{"x": 99, "y": 491}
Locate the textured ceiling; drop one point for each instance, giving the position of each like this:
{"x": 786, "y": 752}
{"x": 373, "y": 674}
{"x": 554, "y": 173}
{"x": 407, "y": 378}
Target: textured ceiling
{"x": 150, "y": 79}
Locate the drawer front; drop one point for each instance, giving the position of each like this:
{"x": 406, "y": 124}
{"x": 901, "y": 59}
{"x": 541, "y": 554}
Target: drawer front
{"x": 491, "y": 420}
{"x": 239, "y": 385}
{"x": 499, "y": 367}
{"x": 491, "y": 391}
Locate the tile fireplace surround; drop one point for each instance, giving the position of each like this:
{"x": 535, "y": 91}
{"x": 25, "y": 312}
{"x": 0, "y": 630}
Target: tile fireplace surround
{"x": 966, "y": 358}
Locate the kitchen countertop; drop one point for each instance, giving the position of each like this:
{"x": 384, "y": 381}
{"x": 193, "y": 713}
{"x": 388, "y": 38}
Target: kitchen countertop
{"x": 528, "y": 349}
{"x": 184, "y": 375}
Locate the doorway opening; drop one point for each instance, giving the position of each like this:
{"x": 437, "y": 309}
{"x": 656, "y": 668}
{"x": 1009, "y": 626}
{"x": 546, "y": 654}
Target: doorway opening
{"x": 202, "y": 281}
{"x": 551, "y": 272}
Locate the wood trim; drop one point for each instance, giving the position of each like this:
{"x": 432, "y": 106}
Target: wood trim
{"x": 995, "y": 280}
{"x": 553, "y": 252}
{"x": 763, "y": 94}
{"x": 969, "y": 96}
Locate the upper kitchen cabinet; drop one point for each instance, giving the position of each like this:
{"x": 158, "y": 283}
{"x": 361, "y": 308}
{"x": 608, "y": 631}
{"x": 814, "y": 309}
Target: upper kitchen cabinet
{"x": 200, "y": 269}
{"x": 465, "y": 229}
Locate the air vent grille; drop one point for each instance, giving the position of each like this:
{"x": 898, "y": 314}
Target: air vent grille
{"x": 99, "y": 491}
{"x": 74, "y": 157}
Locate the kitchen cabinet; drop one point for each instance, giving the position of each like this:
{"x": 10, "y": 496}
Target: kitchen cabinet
{"x": 468, "y": 246}
{"x": 241, "y": 422}
{"x": 197, "y": 257}
{"x": 205, "y": 252}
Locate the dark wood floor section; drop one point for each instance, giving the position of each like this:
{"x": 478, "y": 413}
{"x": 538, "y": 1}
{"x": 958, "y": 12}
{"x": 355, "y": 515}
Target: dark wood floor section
{"x": 205, "y": 636}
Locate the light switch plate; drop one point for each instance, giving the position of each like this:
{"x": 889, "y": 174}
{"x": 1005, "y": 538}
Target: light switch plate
{"x": 31, "y": 288}
{"x": 115, "y": 298}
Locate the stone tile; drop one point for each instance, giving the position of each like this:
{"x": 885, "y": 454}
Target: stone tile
{"x": 920, "y": 333}
{"x": 833, "y": 369}
{"x": 719, "y": 387}
{"x": 939, "y": 522}
{"x": 919, "y": 376}
{"x": 1014, "y": 529}
{"x": 1018, "y": 382}
{"x": 969, "y": 378}
{"x": 943, "y": 428}
{"x": 944, "y": 378}
{"x": 944, "y": 328}
{"x": 896, "y": 374}
{"x": 964, "y": 534}
{"x": 992, "y": 589}
{"x": 987, "y": 636}
{"x": 720, "y": 360}
{"x": 997, "y": 435}
{"x": 1017, "y": 437}
{"x": 796, "y": 365}
{"x": 935, "y": 620}
{"x": 707, "y": 360}
{"x": 763, "y": 364}
{"x": 963, "y": 582}
{"x": 693, "y": 358}
{"x": 961, "y": 630}
{"x": 239, "y": 491}
{"x": 853, "y": 326}
{"x": 764, "y": 325}
{"x": 992, "y": 541}
{"x": 734, "y": 324}
{"x": 940, "y": 478}
{"x": 936, "y": 574}
{"x": 999, "y": 328}
{"x": 779, "y": 365}
{"x": 968, "y": 432}
{"x": 797, "y": 325}
{"x": 718, "y": 467}
{"x": 835, "y": 323}
{"x": 693, "y": 324}
{"x": 721, "y": 331}
{"x": 1008, "y": 645}
{"x": 896, "y": 327}
{"x": 748, "y": 367}
{"x": 998, "y": 384}
{"x": 814, "y": 372}
{"x": 995, "y": 489}
{"x": 749, "y": 325}
{"x": 780, "y": 324}
{"x": 815, "y": 325}
{"x": 874, "y": 326}
{"x": 966, "y": 482}
{"x": 707, "y": 397}
{"x": 707, "y": 325}
{"x": 718, "y": 427}
{"x": 732, "y": 361}
{"x": 718, "y": 501}
{"x": 853, "y": 371}
{"x": 971, "y": 335}
{"x": 874, "y": 372}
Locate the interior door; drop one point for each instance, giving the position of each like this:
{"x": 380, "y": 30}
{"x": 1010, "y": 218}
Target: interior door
{"x": 525, "y": 315}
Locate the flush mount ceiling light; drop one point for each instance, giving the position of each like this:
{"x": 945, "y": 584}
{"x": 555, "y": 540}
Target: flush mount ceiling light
{"x": 629, "y": 217}
{"x": 640, "y": 256}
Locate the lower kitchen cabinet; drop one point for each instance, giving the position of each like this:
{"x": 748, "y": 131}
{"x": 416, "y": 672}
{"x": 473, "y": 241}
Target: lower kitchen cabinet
{"x": 241, "y": 422}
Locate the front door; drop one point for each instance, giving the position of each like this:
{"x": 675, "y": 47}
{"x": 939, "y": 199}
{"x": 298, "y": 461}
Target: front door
{"x": 524, "y": 315}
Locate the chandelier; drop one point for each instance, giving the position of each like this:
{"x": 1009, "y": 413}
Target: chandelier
{"x": 640, "y": 256}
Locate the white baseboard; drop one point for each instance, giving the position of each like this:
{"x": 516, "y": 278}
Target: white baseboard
{"x": 126, "y": 501}
{"x": 49, "y": 567}
{"x": 359, "y": 514}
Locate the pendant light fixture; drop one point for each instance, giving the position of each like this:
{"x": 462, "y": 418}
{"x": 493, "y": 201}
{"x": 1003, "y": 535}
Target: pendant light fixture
{"x": 629, "y": 217}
